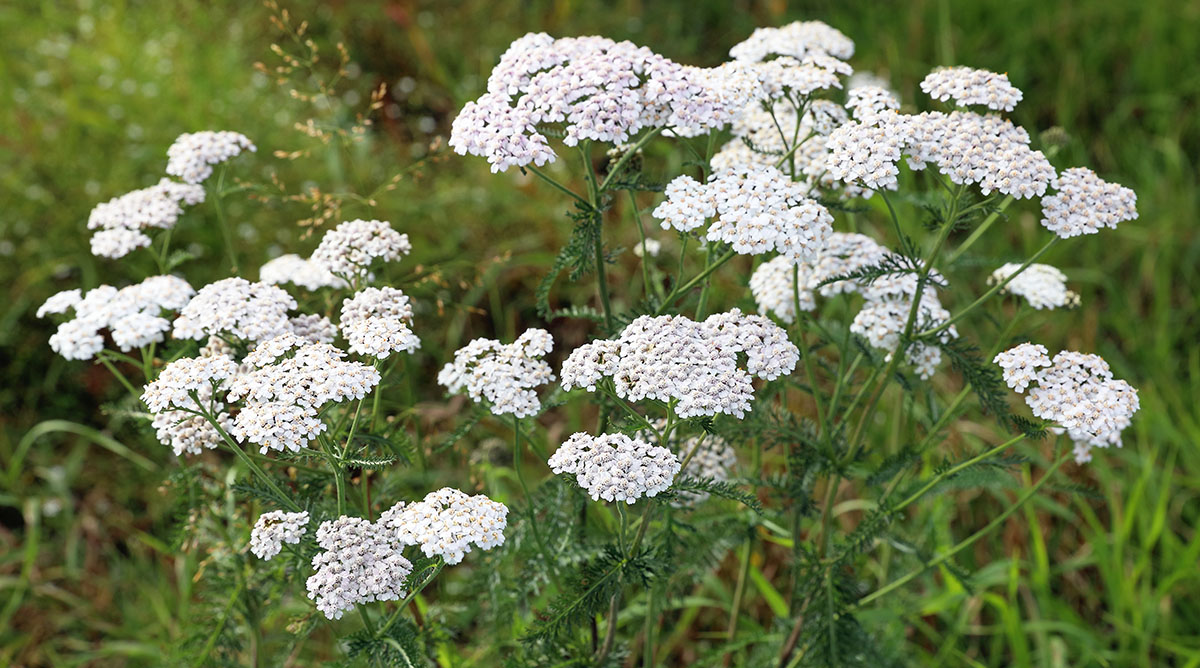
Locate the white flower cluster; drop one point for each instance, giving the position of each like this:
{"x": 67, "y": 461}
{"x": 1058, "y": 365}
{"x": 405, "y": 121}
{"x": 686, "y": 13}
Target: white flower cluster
{"x": 275, "y": 528}
{"x": 1085, "y": 203}
{"x": 771, "y": 283}
{"x": 756, "y": 212}
{"x": 361, "y": 563}
{"x": 446, "y": 523}
{"x": 868, "y": 101}
{"x": 120, "y": 221}
{"x": 192, "y": 156}
{"x": 287, "y": 382}
{"x": 1075, "y": 390}
{"x": 377, "y": 322}
{"x": 651, "y": 247}
{"x": 505, "y": 375}
{"x": 615, "y": 467}
{"x": 968, "y": 87}
{"x": 349, "y": 249}
{"x": 313, "y": 328}
{"x": 292, "y": 268}
{"x": 1043, "y": 286}
{"x": 235, "y": 306}
{"x": 178, "y": 379}
{"x": 667, "y": 358}
{"x": 133, "y": 315}
{"x": 797, "y": 39}
{"x": 968, "y": 148}
{"x": 884, "y": 315}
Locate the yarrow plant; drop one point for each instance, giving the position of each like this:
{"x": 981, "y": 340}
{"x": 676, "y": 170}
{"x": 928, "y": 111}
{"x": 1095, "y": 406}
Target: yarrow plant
{"x": 672, "y": 429}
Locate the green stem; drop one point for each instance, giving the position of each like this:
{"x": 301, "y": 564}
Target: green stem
{"x": 223, "y": 223}
{"x": 616, "y": 169}
{"x": 558, "y": 186}
{"x": 533, "y": 524}
{"x": 237, "y": 450}
{"x": 933, "y": 481}
{"x": 979, "y": 231}
{"x": 637, "y": 217}
{"x": 680, "y": 290}
{"x": 805, "y": 353}
{"x": 137, "y": 396}
{"x": 403, "y": 604}
{"x": 988, "y": 295}
{"x": 945, "y": 556}
{"x": 594, "y": 193}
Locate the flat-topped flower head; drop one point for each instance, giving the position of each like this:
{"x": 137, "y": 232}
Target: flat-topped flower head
{"x": 192, "y": 156}
{"x": 275, "y": 528}
{"x": 447, "y": 523}
{"x": 120, "y": 221}
{"x": 797, "y": 39}
{"x": 378, "y": 322}
{"x": 984, "y": 150}
{"x": 505, "y": 375}
{"x": 182, "y": 377}
{"x": 361, "y": 563}
{"x": 697, "y": 364}
{"x": 756, "y": 212}
{"x": 867, "y": 102}
{"x": 349, "y": 250}
{"x": 866, "y": 152}
{"x": 1043, "y": 286}
{"x": 772, "y": 287}
{"x": 970, "y": 87}
{"x": 615, "y": 467}
{"x": 292, "y": 268}
{"x": 1085, "y": 203}
{"x": 1020, "y": 364}
{"x": 286, "y": 382}
{"x": 135, "y": 316}
{"x": 238, "y": 308}
{"x": 1075, "y": 390}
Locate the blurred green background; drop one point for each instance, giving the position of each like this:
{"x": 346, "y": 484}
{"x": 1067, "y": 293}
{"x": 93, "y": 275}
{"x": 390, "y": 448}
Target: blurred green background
{"x": 95, "y": 91}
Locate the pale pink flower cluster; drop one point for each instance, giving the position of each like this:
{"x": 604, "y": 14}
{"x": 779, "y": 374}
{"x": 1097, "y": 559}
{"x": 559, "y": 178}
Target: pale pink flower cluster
{"x": 797, "y": 39}
{"x": 176, "y": 414}
{"x": 697, "y": 364}
{"x": 292, "y": 268}
{"x": 446, "y": 523}
{"x": 615, "y": 467}
{"x": 1076, "y": 391}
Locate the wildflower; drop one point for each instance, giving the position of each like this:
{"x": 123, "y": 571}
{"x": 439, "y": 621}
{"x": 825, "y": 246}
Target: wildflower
{"x": 882, "y": 320}
{"x": 447, "y": 522}
{"x": 667, "y": 358}
{"x": 377, "y": 322}
{"x": 989, "y": 151}
{"x": 294, "y": 269}
{"x": 192, "y": 156}
{"x": 824, "y": 116}
{"x": 180, "y": 378}
{"x": 868, "y": 101}
{"x": 968, "y": 87}
{"x": 349, "y": 250}
{"x": 796, "y": 39}
{"x": 771, "y": 286}
{"x": 756, "y": 213}
{"x": 651, "y": 247}
{"x": 506, "y": 376}
{"x": 287, "y": 382}
{"x": 361, "y": 563}
{"x": 1043, "y": 286}
{"x": 237, "y": 307}
{"x": 1075, "y": 390}
{"x": 866, "y": 153}
{"x": 313, "y": 328}
{"x": 615, "y": 467}
{"x": 133, "y": 315}
{"x": 275, "y": 528}
{"x": 1020, "y": 364}
{"x": 1085, "y": 203}
{"x": 120, "y": 221}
